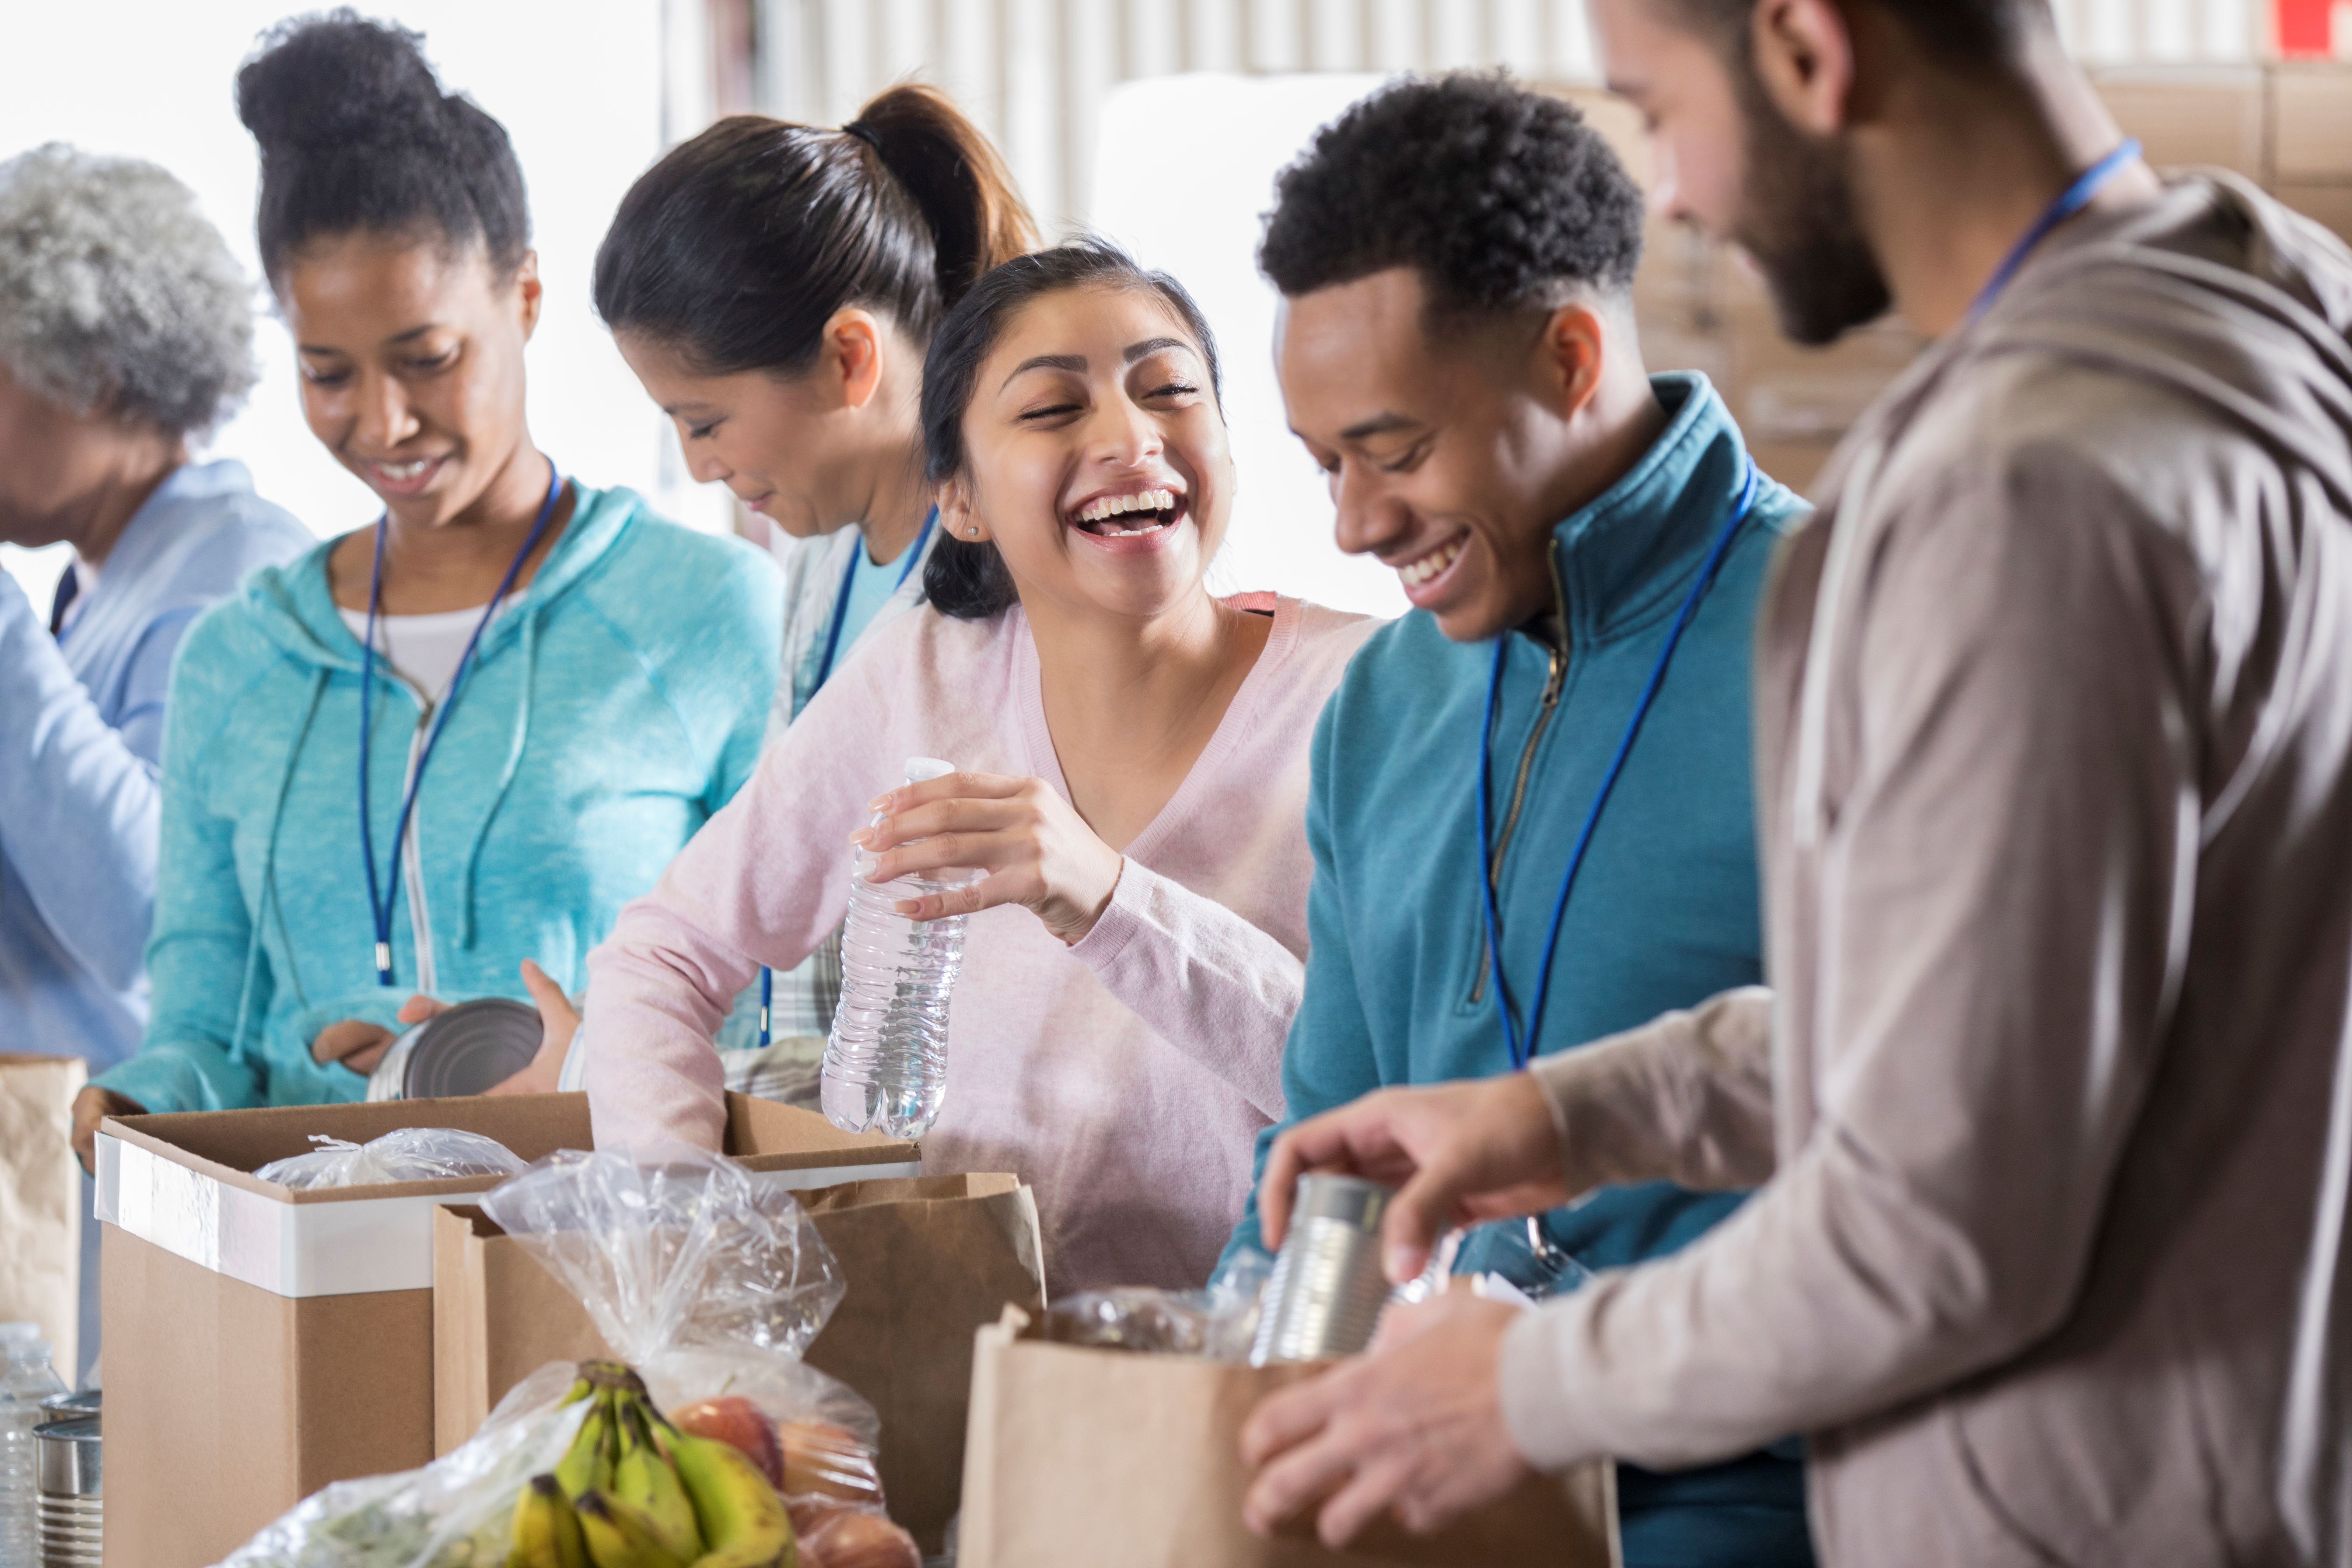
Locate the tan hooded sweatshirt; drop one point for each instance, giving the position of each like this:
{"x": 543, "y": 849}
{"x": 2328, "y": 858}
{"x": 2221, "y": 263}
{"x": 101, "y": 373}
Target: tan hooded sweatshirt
{"x": 2051, "y": 1102}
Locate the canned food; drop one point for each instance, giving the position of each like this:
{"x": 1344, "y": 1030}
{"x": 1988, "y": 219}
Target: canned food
{"x": 463, "y": 1050}
{"x": 68, "y": 1503}
{"x": 1327, "y": 1292}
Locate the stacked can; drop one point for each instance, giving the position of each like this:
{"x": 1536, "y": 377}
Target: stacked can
{"x": 1327, "y": 1292}
{"x": 71, "y": 1471}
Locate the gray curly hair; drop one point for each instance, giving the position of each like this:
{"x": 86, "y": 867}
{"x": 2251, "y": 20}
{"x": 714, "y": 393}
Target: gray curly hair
{"x": 116, "y": 294}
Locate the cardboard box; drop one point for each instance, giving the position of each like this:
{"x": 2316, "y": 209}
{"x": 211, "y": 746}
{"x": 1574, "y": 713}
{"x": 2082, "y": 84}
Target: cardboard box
{"x": 928, "y": 1262}
{"x": 261, "y": 1342}
{"x": 2311, "y": 123}
{"x": 40, "y": 1201}
{"x": 1079, "y": 1458}
{"x": 2193, "y": 116}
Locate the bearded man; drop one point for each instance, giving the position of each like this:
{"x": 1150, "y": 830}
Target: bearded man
{"x": 2049, "y": 1103}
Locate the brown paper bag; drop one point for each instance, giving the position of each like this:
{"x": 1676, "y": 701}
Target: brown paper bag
{"x": 1080, "y": 1456}
{"x": 929, "y": 1260}
{"x": 40, "y": 1201}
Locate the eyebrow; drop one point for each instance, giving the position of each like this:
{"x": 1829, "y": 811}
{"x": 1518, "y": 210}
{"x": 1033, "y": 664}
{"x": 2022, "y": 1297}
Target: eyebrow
{"x": 412, "y": 333}
{"x": 1378, "y": 424}
{"x": 1075, "y": 363}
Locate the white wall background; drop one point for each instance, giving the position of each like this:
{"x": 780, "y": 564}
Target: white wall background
{"x": 1158, "y": 122}
{"x": 579, "y": 87}
{"x": 1163, "y": 123}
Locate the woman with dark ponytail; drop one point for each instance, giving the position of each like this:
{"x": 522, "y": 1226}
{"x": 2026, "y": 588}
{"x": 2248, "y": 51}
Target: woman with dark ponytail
{"x": 774, "y": 287}
{"x": 429, "y": 760}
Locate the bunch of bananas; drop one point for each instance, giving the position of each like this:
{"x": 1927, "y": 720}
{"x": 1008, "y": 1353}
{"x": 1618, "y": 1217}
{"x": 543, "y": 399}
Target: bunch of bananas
{"x": 635, "y": 1492}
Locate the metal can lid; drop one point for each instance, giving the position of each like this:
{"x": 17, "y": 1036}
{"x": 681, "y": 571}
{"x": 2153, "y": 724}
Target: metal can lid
{"x": 1351, "y": 1200}
{"x": 81, "y": 1402}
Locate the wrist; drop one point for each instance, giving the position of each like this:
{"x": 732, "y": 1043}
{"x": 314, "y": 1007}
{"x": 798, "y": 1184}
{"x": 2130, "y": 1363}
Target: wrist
{"x": 1079, "y": 930}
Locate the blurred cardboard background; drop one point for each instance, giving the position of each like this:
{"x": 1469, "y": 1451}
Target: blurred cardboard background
{"x": 2287, "y": 127}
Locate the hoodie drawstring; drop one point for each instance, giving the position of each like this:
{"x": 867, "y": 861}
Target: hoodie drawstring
{"x": 269, "y": 859}
{"x": 506, "y": 780}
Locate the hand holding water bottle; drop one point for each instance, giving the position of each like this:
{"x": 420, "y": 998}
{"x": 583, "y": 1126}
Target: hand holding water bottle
{"x": 1034, "y": 848}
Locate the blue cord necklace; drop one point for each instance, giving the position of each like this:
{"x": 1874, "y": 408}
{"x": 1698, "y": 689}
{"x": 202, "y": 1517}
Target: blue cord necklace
{"x": 824, "y": 670}
{"x": 1519, "y": 1038}
{"x": 2072, "y": 200}
{"x": 379, "y": 899}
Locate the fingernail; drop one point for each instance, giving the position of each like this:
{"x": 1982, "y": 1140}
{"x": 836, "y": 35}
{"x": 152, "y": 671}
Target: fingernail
{"x": 862, "y": 837}
{"x": 906, "y": 906}
{"x": 878, "y": 803}
{"x": 1399, "y": 1266}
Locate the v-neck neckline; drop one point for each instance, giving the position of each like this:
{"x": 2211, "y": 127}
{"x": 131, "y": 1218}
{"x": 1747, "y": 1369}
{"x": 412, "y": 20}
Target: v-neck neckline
{"x": 1047, "y": 763}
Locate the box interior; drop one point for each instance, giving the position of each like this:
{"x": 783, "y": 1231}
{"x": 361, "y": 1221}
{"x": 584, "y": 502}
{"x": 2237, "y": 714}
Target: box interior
{"x": 229, "y": 1146}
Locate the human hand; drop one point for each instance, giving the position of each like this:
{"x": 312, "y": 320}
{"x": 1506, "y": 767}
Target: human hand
{"x": 1414, "y": 1425}
{"x": 558, "y": 1021}
{"x": 360, "y": 1045}
{"x": 1458, "y": 1152}
{"x": 90, "y": 1107}
{"x": 1035, "y": 848}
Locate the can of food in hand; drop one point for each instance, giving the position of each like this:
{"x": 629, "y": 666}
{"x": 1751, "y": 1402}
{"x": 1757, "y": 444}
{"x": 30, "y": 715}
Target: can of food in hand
{"x": 1327, "y": 1292}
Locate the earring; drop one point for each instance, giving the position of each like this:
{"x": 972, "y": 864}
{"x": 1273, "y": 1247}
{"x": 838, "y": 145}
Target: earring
{"x": 973, "y": 531}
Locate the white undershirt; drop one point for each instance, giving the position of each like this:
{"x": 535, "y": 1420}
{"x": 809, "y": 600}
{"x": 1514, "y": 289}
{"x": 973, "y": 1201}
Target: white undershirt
{"x": 424, "y": 649}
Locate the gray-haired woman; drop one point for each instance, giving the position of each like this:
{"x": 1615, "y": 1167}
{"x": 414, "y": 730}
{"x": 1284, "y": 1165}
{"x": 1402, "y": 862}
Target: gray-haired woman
{"x": 126, "y": 330}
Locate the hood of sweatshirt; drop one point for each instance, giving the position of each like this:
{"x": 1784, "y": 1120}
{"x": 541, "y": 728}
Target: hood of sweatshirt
{"x": 294, "y": 609}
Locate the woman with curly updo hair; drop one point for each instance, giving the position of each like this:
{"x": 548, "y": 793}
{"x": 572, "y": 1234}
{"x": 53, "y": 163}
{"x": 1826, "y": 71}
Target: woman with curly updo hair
{"x": 126, "y": 333}
{"x": 427, "y": 762}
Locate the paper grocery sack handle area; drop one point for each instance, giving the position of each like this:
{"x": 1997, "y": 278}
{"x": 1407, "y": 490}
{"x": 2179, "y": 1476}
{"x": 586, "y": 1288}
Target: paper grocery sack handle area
{"x": 336, "y": 1241}
{"x": 1078, "y": 1456}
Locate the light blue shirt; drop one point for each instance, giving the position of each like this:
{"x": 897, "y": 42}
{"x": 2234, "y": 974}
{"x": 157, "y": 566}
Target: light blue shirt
{"x": 870, "y": 587}
{"x": 81, "y": 731}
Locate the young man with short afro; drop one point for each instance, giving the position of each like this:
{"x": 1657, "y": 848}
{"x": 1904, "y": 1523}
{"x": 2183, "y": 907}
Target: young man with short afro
{"x": 1550, "y": 754}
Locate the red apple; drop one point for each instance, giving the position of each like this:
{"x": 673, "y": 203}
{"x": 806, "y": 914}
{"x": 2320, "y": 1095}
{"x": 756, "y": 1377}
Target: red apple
{"x": 822, "y": 1459}
{"x": 737, "y": 1422}
{"x": 851, "y": 1538}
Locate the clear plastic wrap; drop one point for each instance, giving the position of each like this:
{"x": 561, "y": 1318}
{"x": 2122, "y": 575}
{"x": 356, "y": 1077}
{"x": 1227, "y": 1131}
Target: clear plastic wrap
{"x": 453, "y": 1513}
{"x": 1218, "y": 1322}
{"x": 408, "y": 1155}
{"x": 710, "y": 1284}
{"x": 704, "y": 1278}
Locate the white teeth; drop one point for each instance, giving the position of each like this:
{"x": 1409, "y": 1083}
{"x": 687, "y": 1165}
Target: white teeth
{"x": 1102, "y": 507}
{"x": 403, "y": 470}
{"x": 1416, "y": 572}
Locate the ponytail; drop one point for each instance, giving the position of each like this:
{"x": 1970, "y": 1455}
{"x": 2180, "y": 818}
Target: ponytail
{"x": 738, "y": 245}
{"x": 964, "y": 191}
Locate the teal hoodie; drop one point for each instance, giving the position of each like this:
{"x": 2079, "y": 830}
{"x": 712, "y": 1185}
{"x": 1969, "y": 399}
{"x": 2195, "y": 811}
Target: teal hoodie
{"x": 1666, "y": 907}
{"x": 608, "y": 715}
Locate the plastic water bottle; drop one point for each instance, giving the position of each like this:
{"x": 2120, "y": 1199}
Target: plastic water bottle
{"x": 25, "y": 1379}
{"x": 885, "y": 1062}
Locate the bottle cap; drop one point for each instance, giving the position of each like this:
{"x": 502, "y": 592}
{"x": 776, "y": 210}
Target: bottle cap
{"x": 20, "y": 1333}
{"x": 922, "y": 769}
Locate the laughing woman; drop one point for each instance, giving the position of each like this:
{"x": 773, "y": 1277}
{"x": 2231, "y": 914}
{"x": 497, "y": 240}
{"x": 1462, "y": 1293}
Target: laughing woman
{"x": 436, "y": 755}
{"x": 1134, "y": 782}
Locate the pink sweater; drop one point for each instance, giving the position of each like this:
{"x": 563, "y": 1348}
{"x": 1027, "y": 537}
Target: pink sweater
{"x": 1126, "y": 1077}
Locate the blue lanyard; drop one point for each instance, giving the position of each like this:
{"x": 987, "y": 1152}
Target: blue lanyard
{"x": 1520, "y": 1041}
{"x": 824, "y": 670}
{"x": 2072, "y": 200}
{"x": 841, "y": 600}
{"x": 379, "y": 899}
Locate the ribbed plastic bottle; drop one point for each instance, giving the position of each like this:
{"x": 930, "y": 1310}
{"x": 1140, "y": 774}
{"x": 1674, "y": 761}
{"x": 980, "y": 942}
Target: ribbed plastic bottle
{"x": 25, "y": 1379}
{"x": 885, "y": 1062}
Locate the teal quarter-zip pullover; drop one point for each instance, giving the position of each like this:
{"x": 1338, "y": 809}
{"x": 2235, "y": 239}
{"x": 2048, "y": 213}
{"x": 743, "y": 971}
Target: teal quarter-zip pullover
{"x": 1666, "y": 910}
